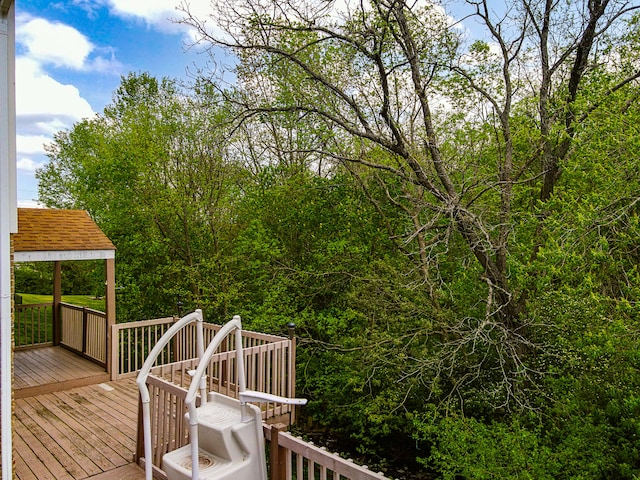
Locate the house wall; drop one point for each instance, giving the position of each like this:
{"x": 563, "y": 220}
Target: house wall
{"x": 8, "y": 224}
{"x": 13, "y": 309}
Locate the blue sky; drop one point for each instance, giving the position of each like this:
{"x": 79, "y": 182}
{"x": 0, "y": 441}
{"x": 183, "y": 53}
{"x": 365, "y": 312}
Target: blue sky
{"x": 70, "y": 55}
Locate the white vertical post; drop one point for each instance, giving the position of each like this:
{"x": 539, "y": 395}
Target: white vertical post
{"x": 242, "y": 382}
{"x": 200, "y": 348}
{"x": 8, "y": 223}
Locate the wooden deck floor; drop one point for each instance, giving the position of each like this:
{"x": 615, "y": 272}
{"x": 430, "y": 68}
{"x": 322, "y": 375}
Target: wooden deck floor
{"x": 65, "y": 431}
{"x": 44, "y": 370}
{"x": 77, "y": 433}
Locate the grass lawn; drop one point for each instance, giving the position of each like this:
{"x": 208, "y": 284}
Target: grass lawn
{"x": 81, "y": 300}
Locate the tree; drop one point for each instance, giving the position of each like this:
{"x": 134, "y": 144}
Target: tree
{"x": 462, "y": 133}
{"x": 153, "y": 174}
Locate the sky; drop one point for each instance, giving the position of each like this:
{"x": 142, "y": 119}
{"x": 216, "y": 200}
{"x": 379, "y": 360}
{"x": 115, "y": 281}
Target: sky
{"x": 70, "y": 56}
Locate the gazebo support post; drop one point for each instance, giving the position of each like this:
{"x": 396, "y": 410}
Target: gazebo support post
{"x": 110, "y": 304}
{"x": 57, "y": 298}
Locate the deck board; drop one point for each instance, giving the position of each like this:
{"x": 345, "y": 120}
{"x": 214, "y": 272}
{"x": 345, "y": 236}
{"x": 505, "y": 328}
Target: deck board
{"x": 76, "y": 431}
{"x": 128, "y": 472}
{"x": 33, "y": 452}
{"x": 85, "y": 432}
{"x": 44, "y": 370}
{"x": 48, "y": 365}
{"x": 116, "y": 425}
{"x": 43, "y": 441}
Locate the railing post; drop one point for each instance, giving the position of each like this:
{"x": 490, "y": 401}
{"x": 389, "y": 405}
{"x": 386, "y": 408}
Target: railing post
{"x": 56, "y": 309}
{"x": 292, "y": 370}
{"x": 277, "y": 454}
{"x": 173, "y": 353}
{"x": 110, "y": 311}
{"x": 113, "y": 354}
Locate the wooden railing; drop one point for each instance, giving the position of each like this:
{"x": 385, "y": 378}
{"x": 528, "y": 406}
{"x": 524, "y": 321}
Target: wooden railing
{"x": 33, "y": 325}
{"x": 269, "y": 363}
{"x": 132, "y": 342}
{"x": 84, "y": 331}
{"x": 292, "y": 458}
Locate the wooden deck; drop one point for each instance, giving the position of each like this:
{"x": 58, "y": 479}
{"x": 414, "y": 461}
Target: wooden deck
{"x": 45, "y": 370}
{"x": 66, "y": 431}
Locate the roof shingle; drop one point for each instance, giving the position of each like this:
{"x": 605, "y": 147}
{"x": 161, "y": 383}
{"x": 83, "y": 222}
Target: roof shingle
{"x": 46, "y": 230}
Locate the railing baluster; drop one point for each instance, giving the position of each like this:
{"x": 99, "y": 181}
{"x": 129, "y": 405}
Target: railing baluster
{"x": 32, "y": 337}
{"x": 129, "y": 352}
{"x": 37, "y": 328}
{"x": 32, "y": 325}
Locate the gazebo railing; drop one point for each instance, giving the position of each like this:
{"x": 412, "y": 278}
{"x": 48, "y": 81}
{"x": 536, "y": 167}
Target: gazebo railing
{"x": 33, "y": 325}
{"x": 84, "y": 331}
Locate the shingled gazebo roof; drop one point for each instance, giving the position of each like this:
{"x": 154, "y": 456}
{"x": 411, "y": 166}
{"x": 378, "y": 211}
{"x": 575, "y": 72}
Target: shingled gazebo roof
{"x": 52, "y": 235}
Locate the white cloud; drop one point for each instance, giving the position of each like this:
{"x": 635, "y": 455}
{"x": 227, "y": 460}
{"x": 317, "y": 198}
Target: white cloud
{"x": 156, "y": 13}
{"x": 106, "y": 65}
{"x": 54, "y": 43}
{"x": 31, "y": 144}
{"x": 28, "y": 164}
{"x": 45, "y": 103}
{"x": 163, "y": 15}
{"x": 61, "y": 46}
{"x": 152, "y": 10}
{"x": 44, "y": 106}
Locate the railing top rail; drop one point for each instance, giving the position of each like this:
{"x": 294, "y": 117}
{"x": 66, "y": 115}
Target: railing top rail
{"x": 33, "y": 305}
{"x": 143, "y": 323}
{"x": 341, "y": 466}
{"x": 207, "y": 326}
{"x": 263, "y": 336}
{"x": 172, "y": 388}
{"x": 249, "y": 333}
{"x": 71, "y": 306}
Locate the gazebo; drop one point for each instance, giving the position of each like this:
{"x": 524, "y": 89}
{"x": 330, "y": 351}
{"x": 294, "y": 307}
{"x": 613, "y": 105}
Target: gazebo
{"x": 51, "y": 235}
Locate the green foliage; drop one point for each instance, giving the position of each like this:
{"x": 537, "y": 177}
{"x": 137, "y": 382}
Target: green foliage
{"x": 150, "y": 172}
{"x": 584, "y": 428}
{"x": 78, "y": 277}
{"x": 461, "y": 447}
{"x": 308, "y": 240}
{"x": 36, "y": 278}
{"x": 464, "y": 278}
